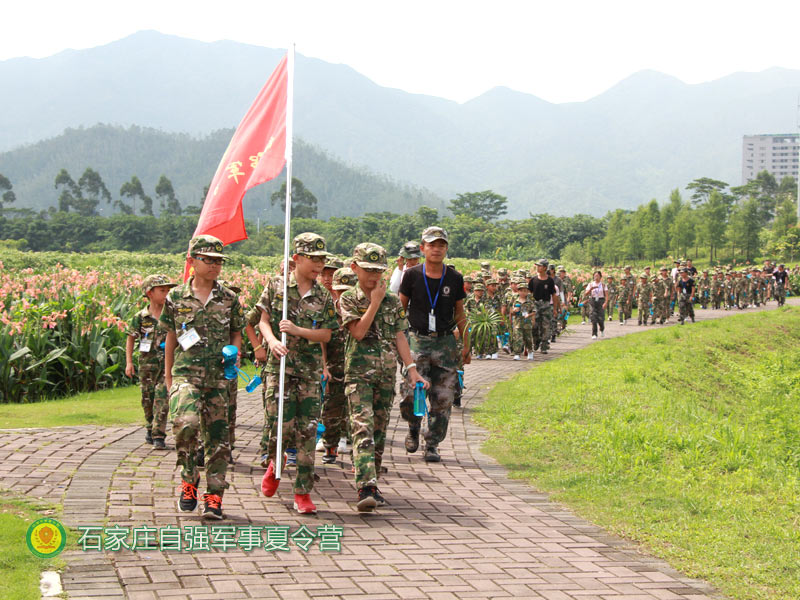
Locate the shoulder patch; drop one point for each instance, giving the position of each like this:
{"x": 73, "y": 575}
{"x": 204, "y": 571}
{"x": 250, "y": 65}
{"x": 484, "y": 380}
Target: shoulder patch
{"x": 184, "y": 309}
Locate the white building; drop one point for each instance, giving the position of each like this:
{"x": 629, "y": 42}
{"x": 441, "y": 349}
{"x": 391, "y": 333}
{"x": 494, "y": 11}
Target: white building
{"x": 777, "y": 153}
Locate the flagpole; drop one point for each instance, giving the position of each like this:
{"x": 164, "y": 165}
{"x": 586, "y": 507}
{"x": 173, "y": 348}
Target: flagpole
{"x": 286, "y": 233}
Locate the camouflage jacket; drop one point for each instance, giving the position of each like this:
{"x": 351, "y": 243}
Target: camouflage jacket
{"x": 146, "y": 326}
{"x": 524, "y": 318}
{"x": 644, "y": 291}
{"x": 569, "y": 287}
{"x": 472, "y": 304}
{"x": 313, "y": 311}
{"x": 334, "y": 349}
{"x": 214, "y": 321}
{"x": 493, "y": 302}
{"x": 376, "y": 354}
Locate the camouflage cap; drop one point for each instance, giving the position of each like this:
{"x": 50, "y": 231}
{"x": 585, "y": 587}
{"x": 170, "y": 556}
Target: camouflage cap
{"x": 705, "y": 270}
{"x": 623, "y": 276}
{"x": 523, "y": 286}
{"x": 684, "y": 270}
{"x": 647, "y": 268}
{"x": 522, "y": 272}
{"x": 411, "y": 250}
{"x": 207, "y": 245}
{"x": 485, "y": 265}
{"x": 479, "y": 287}
{"x": 432, "y": 234}
{"x": 543, "y": 262}
{"x": 344, "y": 279}
{"x": 663, "y": 269}
{"x": 502, "y": 272}
{"x": 627, "y": 267}
{"x": 560, "y": 268}
{"x": 333, "y": 262}
{"x": 310, "y": 244}
{"x": 491, "y": 281}
{"x": 370, "y": 256}
{"x": 152, "y": 281}
{"x": 643, "y": 276}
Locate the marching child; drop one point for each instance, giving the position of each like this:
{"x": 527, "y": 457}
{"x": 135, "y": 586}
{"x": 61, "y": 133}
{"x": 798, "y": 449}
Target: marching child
{"x": 145, "y": 328}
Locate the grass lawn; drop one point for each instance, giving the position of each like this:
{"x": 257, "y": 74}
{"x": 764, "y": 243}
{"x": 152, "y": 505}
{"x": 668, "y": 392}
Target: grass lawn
{"x": 118, "y": 406}
{"x": 19, "y": 569}
{"x": 686, "y": 440}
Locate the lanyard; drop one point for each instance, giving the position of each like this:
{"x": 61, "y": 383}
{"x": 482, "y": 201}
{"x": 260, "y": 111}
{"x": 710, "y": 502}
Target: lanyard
{"x": 427, "y": 289}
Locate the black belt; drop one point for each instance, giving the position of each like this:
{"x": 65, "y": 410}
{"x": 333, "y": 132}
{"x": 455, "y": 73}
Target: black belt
{"x": 431, "y": 333}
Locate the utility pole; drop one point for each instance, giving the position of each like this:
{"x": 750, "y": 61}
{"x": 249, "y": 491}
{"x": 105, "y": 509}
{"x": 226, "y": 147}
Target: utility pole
{"x": 798, "y": 162}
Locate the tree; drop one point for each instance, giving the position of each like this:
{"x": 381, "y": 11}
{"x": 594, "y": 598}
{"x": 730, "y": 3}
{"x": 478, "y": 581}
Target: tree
{"x": 702, "y": 188}
{"x": 8, "y": 195}
{"x": 713, "y": 216}
{"x": 743, "y": 228}
{"x": 92, "y": 190}
{"x": 682, "y": 231}
{"x": 484, "y": 205}
{"x": 133, "y": 189}
{"x": 167, "y": 201}
{"x": 70, "y": 193}
{"x": 304, "y": 203}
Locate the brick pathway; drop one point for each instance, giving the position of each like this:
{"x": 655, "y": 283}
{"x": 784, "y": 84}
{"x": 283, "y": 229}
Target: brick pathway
{"x": 458, "y": 529}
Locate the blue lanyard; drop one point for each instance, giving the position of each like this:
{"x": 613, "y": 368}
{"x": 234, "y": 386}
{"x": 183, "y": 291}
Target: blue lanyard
{"x": 427, "y": 289}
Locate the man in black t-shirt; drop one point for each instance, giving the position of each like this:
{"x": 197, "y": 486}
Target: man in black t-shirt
{"x": 433, "y": 296}
{"x": 781, "y": 277}
{"x": 685, "y": 290}
{"x": 543, "y": 292}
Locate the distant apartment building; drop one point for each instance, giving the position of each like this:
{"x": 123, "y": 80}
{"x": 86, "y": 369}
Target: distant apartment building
{"x": 777, "y": 153}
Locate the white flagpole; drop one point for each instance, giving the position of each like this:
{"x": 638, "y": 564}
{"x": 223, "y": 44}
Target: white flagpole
{"x": 286, "y": 233}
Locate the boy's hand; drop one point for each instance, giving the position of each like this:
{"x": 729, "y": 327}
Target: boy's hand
{"x": 326, "y": 374}
{"x": 261, "y": 355}
{"x": 278, "y": 349}
{"x": 379, "y": 293}
{"x": 286, "y": 326}
{"x": 414, "y": 376}
{"x": 130, "y": 370}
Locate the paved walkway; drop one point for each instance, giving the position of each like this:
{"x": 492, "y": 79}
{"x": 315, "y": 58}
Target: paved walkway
{"x": 458, "y": 529}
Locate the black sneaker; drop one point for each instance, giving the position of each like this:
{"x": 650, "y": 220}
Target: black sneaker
{"x": 158, "y": 444}
{"x": 412, "y": 439}
{"x": 330, "y": 456}
{"x": 148, "y": 437}
{"x": 378, "y": 498}
{"x": 212, "y": 508}
{"x": 187, "y": 501}
{"x": 200, "y": 457}
{"x": 366, "y": 499}
{"x": 432, "y": 454}
{"x": 457, "y": 401}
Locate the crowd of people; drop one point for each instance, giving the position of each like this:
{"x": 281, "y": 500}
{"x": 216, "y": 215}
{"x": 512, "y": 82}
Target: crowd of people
{"x": 350, "y": 326}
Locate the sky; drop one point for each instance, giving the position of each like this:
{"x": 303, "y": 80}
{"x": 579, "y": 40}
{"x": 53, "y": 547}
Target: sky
{"x": 560, "y": 51}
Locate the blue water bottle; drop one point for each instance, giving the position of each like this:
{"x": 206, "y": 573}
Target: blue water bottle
{"x": 229, "y": 355}
{"x": 420, "y": 405}
{"x": 460, "y": 380}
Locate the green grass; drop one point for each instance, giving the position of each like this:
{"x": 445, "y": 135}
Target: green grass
{"x": 117, "y": 406}
{"x": 19, "y": 569}
{"x": 685, "y": 439}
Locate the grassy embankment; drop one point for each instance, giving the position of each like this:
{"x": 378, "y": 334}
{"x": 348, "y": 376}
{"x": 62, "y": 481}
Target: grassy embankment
{"x": 685, "y": 440}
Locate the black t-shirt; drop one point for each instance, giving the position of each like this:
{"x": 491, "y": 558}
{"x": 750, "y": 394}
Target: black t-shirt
{"x": 686, "y": 287}
{"x": 419, "y": 306}
{"x": 780, "y": 276}
{"x": 542, "y": 289}
{"x": 692, "y": 271}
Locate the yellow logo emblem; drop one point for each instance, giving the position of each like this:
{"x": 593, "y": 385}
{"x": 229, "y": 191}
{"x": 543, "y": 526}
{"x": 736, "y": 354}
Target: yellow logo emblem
{"x": 46, "y": 538}
{"x": 374, "y": 257}
{"x": 320, "y": 245}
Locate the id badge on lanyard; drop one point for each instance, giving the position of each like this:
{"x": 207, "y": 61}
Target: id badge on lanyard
{"x": 431, "y": 322}
{"x": 432, "y": 316}
{"x": 188, "y": 338}
{"x": 145, "y": 344}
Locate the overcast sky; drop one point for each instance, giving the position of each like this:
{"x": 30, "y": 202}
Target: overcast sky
{"x": 561, "y": 51}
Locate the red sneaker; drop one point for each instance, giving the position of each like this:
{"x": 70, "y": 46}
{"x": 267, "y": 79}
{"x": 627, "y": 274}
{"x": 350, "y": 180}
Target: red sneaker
{"x": 303, "y": 504}
{"x": 269, "y": 485}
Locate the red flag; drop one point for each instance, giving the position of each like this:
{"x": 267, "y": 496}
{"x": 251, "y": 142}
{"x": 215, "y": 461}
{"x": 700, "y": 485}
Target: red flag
{"x": 255, "y": 154}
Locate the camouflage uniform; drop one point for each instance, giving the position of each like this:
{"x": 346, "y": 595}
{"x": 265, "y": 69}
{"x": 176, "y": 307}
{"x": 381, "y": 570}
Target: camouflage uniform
{"x": 704, "y": 289}
{"x": 198, "y": 396}
{"x": 522, "y": 338}
{"x": 303, "y": 371}
{"x": 627, "y": 307}
{"x": 644, "y": 294}
{"x": 717, "y": 292}
{"x": 370, "y": 371}
{"x": 613, "y": 295}
{"x": 660, "y": 302}
{"x": 569, "y": 288}
{"x": 623, "y": 298}
{"x": 334, "y": 407}
{"x": 146, "y": 329}
{"x": 685, "y": 307}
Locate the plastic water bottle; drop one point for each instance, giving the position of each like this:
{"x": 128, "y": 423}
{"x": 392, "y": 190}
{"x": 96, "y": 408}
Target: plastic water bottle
{"x": 320, "y": 430}
{"x": 460, "y": 379}
{"x": 229, "y": 355}
{"x": 420, "y": 405}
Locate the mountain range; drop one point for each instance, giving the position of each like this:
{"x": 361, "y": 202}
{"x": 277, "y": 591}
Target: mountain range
{"x": 648, "y": 134}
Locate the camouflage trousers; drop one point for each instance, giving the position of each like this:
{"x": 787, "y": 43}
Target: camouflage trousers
{"x": 717, "y": 299}
{"x": 644, "y": 310}
{"x": 660, "y": 310}
{"x": 300, "y": 417}
{"x": 369, "y": 404}
{"x": 201, "y": 413}
{"x": 780, "y": 293}
{"x": 626, "y": 309}
{"x": 522, "y": 337}
{"x": 155, "y": 402}
{"x": 586, "y": 311}
{"x": 542, "y": 324}
{"x": 233, "y": 393}
{"x": 334, "y": 413}
{"x": 612, "y": 301}
{"x": 437, "y": 360}
{"x": 685, "y": 307}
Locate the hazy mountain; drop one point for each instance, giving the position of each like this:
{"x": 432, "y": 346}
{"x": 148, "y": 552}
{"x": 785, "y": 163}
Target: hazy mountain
{"x": 189, "y": 162}
{"x": 639, "y": 139}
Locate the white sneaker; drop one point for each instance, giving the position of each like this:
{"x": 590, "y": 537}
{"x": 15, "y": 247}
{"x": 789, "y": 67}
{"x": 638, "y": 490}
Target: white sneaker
{"x": 583, "y": 322}
{"x": 320, "y": 446}
{"x": 479, "y": 357}
{"x": 342, "y": 448}
{"x": 516, "y": 357}
{"x": 622, "y": 322}
{"x": 494, "y": 356}
{"x": 602, "y": 334}
{"x": 530, "y": 355}
{"x": 594, "y": 337}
